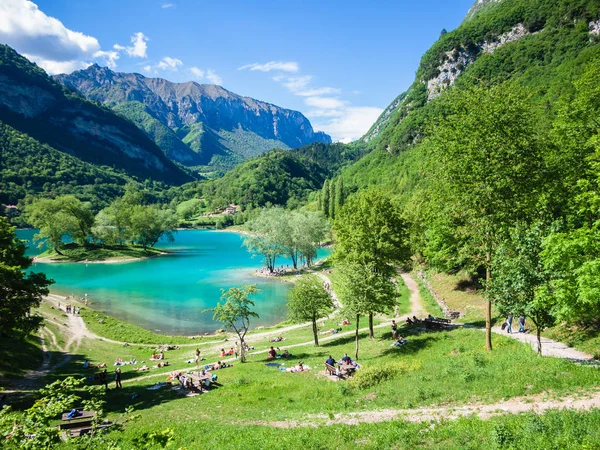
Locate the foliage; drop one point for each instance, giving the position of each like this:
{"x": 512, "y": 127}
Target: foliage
{"x": 520, "y": 283}
{"x": 235, "y": 313}
{"x": 276, "y": 231}
{"x": 19, "y": 292}
{"x": 373, "y": 375}
{"x": 309, "y": 301}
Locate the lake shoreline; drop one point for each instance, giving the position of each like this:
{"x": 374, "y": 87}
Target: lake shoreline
{"x": 49, "y": 260}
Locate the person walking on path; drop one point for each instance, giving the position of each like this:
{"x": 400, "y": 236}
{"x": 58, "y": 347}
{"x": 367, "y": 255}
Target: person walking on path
{"x": 522, "y": 323}
{"x": 236, "y": 350}
{"x": 118, "y": 378}
{"x": 197, "y": 358}
{"x": 394, "y": 329}
{"x": 509, "y": 320}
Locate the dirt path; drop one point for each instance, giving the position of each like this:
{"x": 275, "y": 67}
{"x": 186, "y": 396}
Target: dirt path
{"x": 537, "y": 404}
{"x": 416, "y": 306}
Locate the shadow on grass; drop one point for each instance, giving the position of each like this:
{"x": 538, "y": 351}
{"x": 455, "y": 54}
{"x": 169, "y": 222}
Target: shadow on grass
{"x": 345, "y": 340}
{"x": 412, "y": 346}
{"x": 18, "y": 356}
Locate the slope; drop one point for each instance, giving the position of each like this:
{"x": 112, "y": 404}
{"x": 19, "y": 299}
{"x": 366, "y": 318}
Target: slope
{"x": 223, "y": 128}
{"x": 34, "y": 104}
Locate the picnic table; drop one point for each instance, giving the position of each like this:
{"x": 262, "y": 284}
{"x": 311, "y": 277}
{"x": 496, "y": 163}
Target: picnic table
{"x": 199, "y": 378}
{"x": 436, "y": 323}
{"x": 78, "y": 425}
{"x": 347, "y": 368}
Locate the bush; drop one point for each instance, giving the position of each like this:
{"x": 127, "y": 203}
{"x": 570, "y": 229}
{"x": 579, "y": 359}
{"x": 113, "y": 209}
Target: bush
{"x": 373, "y": 375}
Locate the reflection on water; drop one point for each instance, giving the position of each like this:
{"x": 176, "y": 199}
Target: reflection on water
{"x": 168, "y": 293}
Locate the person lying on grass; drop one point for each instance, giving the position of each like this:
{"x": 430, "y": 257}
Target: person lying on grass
{"x": 278, "y": 339}
{"x": 143, "y": 368}
{"x": 161, "y": 364}
{"x": 331, "y": 331}
{"x": 299, "y": 368}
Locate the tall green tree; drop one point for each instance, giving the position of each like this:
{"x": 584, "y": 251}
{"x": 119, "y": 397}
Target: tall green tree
{"x": 235, "y": 313}
{"x": 64, "y": 215}
{"x": 339, "y": 194}
{"x": 485, "y": 168}
{"x": 362, "y": 290}
{"x": 147, "y": 224}
{"x": 370, "y": 231}
{"x": 309, "y": 301}
{"x": 521, "y": 282}
{"x": 332, "y": 200}
{"x": 262, "y": 238}
{"x": 20, "y": 291}
{"x": 325, "y": 198}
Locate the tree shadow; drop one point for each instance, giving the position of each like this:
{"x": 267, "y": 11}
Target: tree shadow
{"x": 412, "y": 346}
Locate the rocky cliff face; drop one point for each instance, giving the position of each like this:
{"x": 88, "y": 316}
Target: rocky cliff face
{"x": 181, "y": 106}
{"x": 34, "y": 104}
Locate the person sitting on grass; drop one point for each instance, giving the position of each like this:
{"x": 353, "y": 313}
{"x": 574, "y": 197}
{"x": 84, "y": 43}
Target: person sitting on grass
{"x": 222, "y": 354}
{"x": 400, "y": 341}
{"x": 272, "y": 353}
{"x": 345, "y": 322}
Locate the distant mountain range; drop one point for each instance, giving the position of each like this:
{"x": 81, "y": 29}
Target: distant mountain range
{"x": 195, "y": 124}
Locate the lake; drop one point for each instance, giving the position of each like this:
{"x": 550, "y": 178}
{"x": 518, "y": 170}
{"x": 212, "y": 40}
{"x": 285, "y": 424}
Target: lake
{"x": 167, "y": 294}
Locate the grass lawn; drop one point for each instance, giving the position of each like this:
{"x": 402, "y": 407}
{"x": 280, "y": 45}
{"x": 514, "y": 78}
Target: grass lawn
{"x": 73, "y": 252}
{"x": 17, "y": 356}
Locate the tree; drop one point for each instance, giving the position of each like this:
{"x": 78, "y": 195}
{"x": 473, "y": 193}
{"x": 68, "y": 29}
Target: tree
{"x": 339, "y": 194}
{"x": 362, "y": 288}
{"x": 64, "y": 215}
{"x": 308, "y": 300}
{"x": 19, "y": 292}
{"x": 235, "y": 313}
{"x": 149, "y": 223}
{"x": 371, "y": 232}
{"x": 485, "y": 167}
{"x": 521, "y": 283}
{"x": 262, "y": 239}
{"x": 325, "y": 198}
{"x": 332, "y": 200}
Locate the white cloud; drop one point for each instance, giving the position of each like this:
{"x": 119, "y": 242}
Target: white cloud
{"x": 168, "y": 63}
{"x": 319, "y": 91}
{"x": 352, "y": 124}
{"x": 324, "y": 102}
{"x": 167, "y": 5}
{"x": 109, "y": 57}
{"x": 289, "y": 66}
{"x": 44, "y": 39}
{"x": 138, "y": 47}
{"x": 147, "y": 68}
{"x": 212, "y": 76}
{"x": 295, "y": 84}
{"x": 196, "y": 72}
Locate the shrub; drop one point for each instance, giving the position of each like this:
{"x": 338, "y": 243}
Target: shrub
{"x": 373, "y": 375}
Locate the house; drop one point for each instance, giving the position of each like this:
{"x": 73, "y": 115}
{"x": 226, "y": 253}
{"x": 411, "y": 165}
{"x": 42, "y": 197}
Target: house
{"x": 231, "y": 209}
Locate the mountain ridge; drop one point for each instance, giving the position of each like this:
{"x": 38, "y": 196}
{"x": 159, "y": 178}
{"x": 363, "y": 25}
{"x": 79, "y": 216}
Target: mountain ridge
{"x": 259, "y": 126}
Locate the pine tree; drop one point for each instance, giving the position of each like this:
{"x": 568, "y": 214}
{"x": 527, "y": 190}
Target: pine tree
{"x": 339, "y": 194}
{"x": 325, "y": 199}
{"x": 332, "y": 200}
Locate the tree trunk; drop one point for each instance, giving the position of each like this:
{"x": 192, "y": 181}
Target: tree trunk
{"x": 315, "y": 334}
{"x": 294, "y": 260}
{"x": 488, "y": 306}
{"x": 57, "y": 250}
{"x": 371, "y": 333}
{"x": 539, "y": 340}
{"x": 242, "y": 351}
{"x": 356, "y": 354}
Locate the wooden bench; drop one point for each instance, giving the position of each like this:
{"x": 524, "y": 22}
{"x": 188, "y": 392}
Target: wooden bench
{"x": 333, "y": 371}
{"x": 436, "y": 324}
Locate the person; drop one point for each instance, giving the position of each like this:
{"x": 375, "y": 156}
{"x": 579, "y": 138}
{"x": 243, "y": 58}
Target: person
{"x": 408, "y": 321}
{"x": 522, "y": 323}
{"x": 415, "y": 320}
{"x": 346, "y": 321}
{"x": 346, "y": 359}
{"x": 430, "y": 317}
{"x": 236, "y": 350}
{"x": 118, "y": 378}
{"x": 161, "y": 355}
{"x": 104, "y": 379}
{"x": 197, "y": 358}
{"x": 394, "y": 329}
{"x": 330, "y": 361}
{"x": 509, "y": 320}
{"x": 153, "y": 357}
{"x": 286, "y": 353}
{"x": 400, "y": 341}
{"x": 272, "y": 352}
{"x": 223, "y": 354}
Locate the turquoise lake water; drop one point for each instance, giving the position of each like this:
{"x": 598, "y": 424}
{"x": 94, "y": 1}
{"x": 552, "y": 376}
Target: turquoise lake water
{"x": 167, "y": 294}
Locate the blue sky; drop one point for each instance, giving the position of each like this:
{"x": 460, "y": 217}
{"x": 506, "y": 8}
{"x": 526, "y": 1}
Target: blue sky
{"x": 338, "y": 62}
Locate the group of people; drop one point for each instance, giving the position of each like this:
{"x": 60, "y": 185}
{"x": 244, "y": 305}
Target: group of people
{"x": 120, "y": 362}
{"x": 274, "y": 353}
{"x": 104, "y": 378}
{"x": 509, "y": 320}
{"x": 233, "y": 351}
{"x": 345, "y": 366}
{"x": 70, "y": 309}
{"x": 157, "y": 356}
{"x": 398, "y": 340}
{"x": 274, "y": 273}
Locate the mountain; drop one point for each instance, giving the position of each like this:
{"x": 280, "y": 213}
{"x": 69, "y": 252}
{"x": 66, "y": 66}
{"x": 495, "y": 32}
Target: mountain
{"x": 34, "y": 104}
{"x": 53, "y": 140}
{"x": 541, "y": 46}
{"x": 209, "y": 125}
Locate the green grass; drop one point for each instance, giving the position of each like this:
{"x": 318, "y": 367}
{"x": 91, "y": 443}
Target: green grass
{"x": 73, "y": 252}
{"x": 431, "y": 306}
{"x": 18, "y": 356}
{"x": 118, "y": 330}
